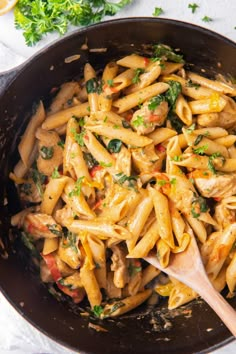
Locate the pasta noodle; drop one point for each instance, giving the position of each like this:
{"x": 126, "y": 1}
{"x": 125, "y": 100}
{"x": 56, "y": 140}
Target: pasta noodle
{"x": 137, "y": 157}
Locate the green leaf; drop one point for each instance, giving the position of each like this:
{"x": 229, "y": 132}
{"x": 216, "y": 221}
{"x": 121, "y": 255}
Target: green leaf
{"x": 131, "y": 181}
{"x": 190, "y": 83}
{"x": 173, "y": 92}
{"x": 193, "y": 7}
{"x": 155, "y": 102}
{"x": 78, "y": 186}
{"x": 165, "y": 53}
{"x": 46, "y": 152}
{"x": 54, "y": 229}
{"x": 97, "y": 310}
{"x": 39, "y": 179}
{"x": 92, "y": 85}
{"x": 201, "y": 150}
{"x": 79, "y": 137}
{"x": 114, "y": 145}
{"x": 55, "y": 173}
{"x": 207, "y": 19}
{"x": 136, "y": 78}
{"x": 104, "y": 164}
{"x": 37, "y": 18}
{"x": 211, "y": 159}
{"x": 157, "y": 11}
{"x": 138, "y": 121}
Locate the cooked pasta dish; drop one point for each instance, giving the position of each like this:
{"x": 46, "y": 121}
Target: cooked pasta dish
{"x": 139, "y": 157}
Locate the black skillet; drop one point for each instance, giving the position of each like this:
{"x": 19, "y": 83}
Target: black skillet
{"x": 147, "y": 330}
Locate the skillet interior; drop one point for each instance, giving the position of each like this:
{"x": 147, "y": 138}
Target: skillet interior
{"x": 132, "y": 334}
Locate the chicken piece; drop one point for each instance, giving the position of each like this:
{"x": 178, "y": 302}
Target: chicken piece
{"x": 50, "y": 153}
{"x": 145, "y": 120}
{"x": 145, "y": 159}
{"x": 223, "y": 215}
{"x": 216, "y": 186}
{"x": 66, "y": 213}
{"x": 223, "y": 119}
{"x": 41, "y": 226}
{"x": 119, "y": 266}
{"x": 29, "y": 192}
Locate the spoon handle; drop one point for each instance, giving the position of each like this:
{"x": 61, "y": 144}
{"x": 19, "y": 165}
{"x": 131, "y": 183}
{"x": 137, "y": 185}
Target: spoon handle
{"x": 221, "y": 307}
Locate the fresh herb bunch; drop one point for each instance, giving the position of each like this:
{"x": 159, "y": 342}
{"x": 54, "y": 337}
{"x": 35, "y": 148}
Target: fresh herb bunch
{"x": 39, "y": 17}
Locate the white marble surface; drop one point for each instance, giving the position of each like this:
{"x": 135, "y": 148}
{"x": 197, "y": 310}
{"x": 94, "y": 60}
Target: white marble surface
{"x": 16, "y": 335}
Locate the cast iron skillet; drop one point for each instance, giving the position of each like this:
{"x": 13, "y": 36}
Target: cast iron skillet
{"x": 132, "y": 333}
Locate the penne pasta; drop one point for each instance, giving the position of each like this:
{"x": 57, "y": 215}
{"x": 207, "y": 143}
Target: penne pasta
{"x": 132, "y": 159}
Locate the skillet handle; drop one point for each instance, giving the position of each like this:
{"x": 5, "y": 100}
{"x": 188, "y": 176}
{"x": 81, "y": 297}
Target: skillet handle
{"x": 5, "y": 79}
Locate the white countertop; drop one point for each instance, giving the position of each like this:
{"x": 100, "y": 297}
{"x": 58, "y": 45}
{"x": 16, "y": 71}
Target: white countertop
{"x": 16, "y": 335}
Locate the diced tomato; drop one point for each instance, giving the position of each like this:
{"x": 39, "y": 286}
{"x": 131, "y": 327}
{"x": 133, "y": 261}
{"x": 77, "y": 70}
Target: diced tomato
{"x": 160, "y": 148}
{"x": 146, "y": 61}
{"x": 86, "y": 137}
{"x": 129, "y": 116}
{"x": 97, "y": 204}
{"x": 217, "y": 199}
{"x": 52, "y": 266}
{"x": 40, "y": 227}
{"x": 154, "y": 118}
{"x": 109, "y": 89}
{"x": 77, "y": 295}
{"x": 94, "y": 170}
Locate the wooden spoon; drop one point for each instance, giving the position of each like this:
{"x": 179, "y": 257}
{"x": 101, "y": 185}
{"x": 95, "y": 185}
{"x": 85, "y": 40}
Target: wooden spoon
{"x": 188, "y": 268}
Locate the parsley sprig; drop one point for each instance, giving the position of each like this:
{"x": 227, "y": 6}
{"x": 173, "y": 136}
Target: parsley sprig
{"x": 39, "y": 17}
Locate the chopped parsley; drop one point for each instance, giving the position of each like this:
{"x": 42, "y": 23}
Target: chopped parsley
{"x": 70, "y": 240}
{"x": 136, "y": 78}
{"x": 78, "y": 186}
{"x": 193, "y": 7}
{"x": 191, "y": 128}
{"x": 110, "y": 82}
{"x": 164, "y": 52}
{"x": 190, "y": 83}
{"x": 155, "y": 102}
{"x": 211, "y": 159}
{"x": 80, "y": 121}
{"x": 61, "y": 143}
{"x": 39, "y": 179}
{"x": 93, "y": 86}
{"x": 54, "y": 229}
{"x": 138, "y": 121}
{"x": 200, "y": 150}
{"x": 157, "y": 11}
{"x": 38, "y": 17}
{"x": 104, "y": 164}
{"x": 199, "y": 205}
{"x": 131, "y": 181}
{"x": 207, "y": 19}
{"x": 97, "y": 310}
{"x": 55, "y": 173}
{"x": 46, "y": 152}
{"x": 79, "y": 137}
